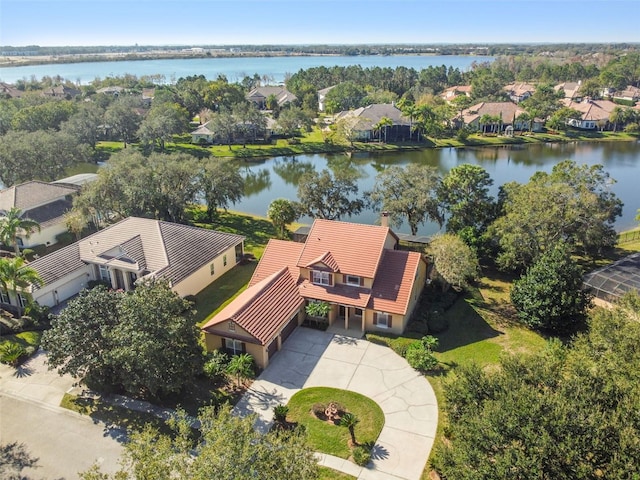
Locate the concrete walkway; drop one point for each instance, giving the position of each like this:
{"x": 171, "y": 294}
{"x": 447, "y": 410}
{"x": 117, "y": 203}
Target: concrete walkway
{"x": 311, "y": 358}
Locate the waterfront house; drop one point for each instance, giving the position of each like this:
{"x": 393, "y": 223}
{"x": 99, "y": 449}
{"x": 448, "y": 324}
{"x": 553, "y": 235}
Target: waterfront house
{"x": 259, "y": 96}
{"x": 356, "y": 270}
{"x": 363, "y": 123}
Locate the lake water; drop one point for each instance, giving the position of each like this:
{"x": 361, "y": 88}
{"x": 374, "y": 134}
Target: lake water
{"x": 234, "y": 69}
{"x": 278, "y": 177}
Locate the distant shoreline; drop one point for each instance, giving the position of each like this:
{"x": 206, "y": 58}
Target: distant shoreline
{"x": 25, "y": 61}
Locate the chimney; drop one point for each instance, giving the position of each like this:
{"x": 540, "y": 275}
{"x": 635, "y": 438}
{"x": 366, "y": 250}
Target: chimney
{"x": 384, "y": 219}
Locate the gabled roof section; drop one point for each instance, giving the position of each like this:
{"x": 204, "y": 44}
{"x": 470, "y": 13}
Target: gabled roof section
{"x": 50, "y": 213}
{"x": 356, "y": 248}
{"x": 203, "y": 130}
{"x": 277, "y": 254}
{"x": 594, "y": 110}
{"x": 391, "y": 291}
{"x": 263, "y": 308}
{"x": 326, "y": 260}
{"x": 190, "y": 248}
{"x": 507, "y": 110}
{"x": 371, "y": 115}
{"x": 33, "y": 194}
{"x": 168, "y": 250}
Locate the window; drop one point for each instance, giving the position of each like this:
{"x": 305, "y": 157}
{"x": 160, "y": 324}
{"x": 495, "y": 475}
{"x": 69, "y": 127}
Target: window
{"x": 321, "y": 278}
{"x": 224, "y": 260}
{"x": 352, "y": 280}
{"x": 234, "y": 347}
{"x": 104, "y": 274}
{"x": 232, "y": 326}
{"x": 23, "y": 300}
{"x": 4, "y": 297}
{"x": 212, "y": 269}
{"x": 382, "y": 320}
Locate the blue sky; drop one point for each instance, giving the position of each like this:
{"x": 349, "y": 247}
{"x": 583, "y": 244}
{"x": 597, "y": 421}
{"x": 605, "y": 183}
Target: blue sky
{"x": 206, "y": 22}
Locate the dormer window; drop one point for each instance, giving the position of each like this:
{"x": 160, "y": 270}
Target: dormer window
{"x": 353, "y": 280}
{"x": 321, "y": 278}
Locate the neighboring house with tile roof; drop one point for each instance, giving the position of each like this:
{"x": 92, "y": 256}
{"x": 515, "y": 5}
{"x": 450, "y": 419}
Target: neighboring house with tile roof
{"x": 571, "y": 89}
{"x": 595, "y": 113}
{"x": 203, "y": 134}
{"x": 506, "y": 112}
{"x": 518, "y": 92}
{"x": 259, "y": 96}
{"x": 363, "y": 122}
{"x": 10, "y": 91}
{"x": 452, "y": 92}
{"x": 45, "y": 203}
{"x": 189, "y": 258}
{"x": 355, "y": 268}
{"x": 629, "y": 94}
{"x": 61, "y": 91}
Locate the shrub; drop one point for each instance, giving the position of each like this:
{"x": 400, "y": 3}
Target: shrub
{"x": 361, "y": 455}
{"x": 91, "y": 284}
{"x": 280, "y": 413}
{"x": 418, "y": 326}
{"x": 420, "y": 354}
{"x": 10, "y": 353}
{"x": 215, "y": 366}
{"x": 632, "y": 128}
{"x": 191, "y": 298}
{"x": 65, "y": 238}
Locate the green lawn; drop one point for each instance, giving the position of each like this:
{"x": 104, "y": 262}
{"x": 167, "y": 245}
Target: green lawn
{"x": 24, "y": 339}
{"x": 214, "y": 297}
{"x": 326, "y": 473}
{"x": 110, "y": 414}
{"x": 329, "y": 438}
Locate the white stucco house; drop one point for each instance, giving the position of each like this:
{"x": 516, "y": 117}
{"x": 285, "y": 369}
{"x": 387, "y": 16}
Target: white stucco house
{"x": 45, "y": 203}
{"x": 189, "y": 258}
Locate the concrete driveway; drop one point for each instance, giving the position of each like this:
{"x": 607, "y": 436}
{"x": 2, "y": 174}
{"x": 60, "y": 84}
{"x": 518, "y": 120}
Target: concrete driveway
{"x": 310, "y": 358}
{"x": 62, "y": 443}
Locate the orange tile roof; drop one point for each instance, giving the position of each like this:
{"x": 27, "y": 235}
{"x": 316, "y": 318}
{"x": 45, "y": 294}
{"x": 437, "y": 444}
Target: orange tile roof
{"x": 342, "y": 294}
{"x": 263, "y": 308}
{"x": 356, "y": 248}
{"x": 327, "y": 260}
{"x": 277, "y": 254}
{"x": 391, "y": 290}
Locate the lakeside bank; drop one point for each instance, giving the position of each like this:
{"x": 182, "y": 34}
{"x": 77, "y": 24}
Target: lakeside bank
{"x": 314, "y": 143}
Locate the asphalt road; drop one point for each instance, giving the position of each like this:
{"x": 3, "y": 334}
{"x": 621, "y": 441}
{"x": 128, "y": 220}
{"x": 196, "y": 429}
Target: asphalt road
{"x": 61, "y": 442}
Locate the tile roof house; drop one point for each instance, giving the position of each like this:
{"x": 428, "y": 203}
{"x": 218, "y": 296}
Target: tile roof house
{"x": 355, "y": 268}
{"x": 450, "y": 93}
{"x": 363, "y": 122}
{"x": 571, "y": 89}
{"x": 259, "y": 96}
{"x": 518, "y": 92}
{"x": 45, "y": 203}
{"x": 9, "y": 91}
{"x": 507, "y": 112}
{"x": 61, "y": 91}
{"x": 629, "y": 94}
{"x": 203, "y": 134}
{"x": 189, "y": 258}
{"x": 595, "y": 113}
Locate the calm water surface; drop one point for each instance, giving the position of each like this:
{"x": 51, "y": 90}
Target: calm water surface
{"x": 278, "y": 177}
{"x": 234, "y": 69}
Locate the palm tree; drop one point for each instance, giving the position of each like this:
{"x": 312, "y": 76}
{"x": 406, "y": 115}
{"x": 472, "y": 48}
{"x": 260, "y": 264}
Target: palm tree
{"x": 384, "y": 123}
{"x": 617, "y": 116}
{"x": 241, "y": 366}
{"x": 350, "y": 421}
{"x": 14, "y": 275}
{"x": 12, "y": 225}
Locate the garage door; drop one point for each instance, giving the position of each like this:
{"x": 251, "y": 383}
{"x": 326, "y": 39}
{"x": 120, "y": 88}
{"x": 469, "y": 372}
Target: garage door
{"x": 289, "y": 328}
{"x": 71, "y": 288}
{"x": 272, "y": 349}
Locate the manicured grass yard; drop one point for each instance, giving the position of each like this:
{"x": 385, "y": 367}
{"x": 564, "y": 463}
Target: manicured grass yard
{"x": 330, "y": 474}
{"x": 329, "y": 438}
